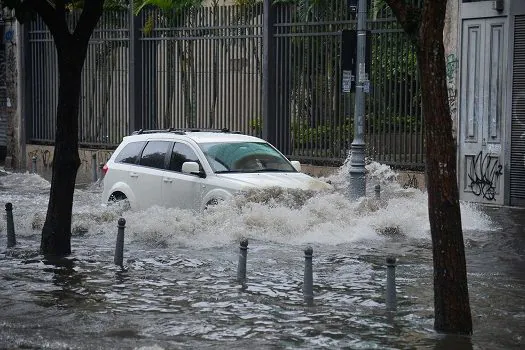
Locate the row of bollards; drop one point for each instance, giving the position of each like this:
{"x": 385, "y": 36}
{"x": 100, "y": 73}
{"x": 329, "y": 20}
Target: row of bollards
{"x": 308, "y": 293}
{"x": 308, "y": 284}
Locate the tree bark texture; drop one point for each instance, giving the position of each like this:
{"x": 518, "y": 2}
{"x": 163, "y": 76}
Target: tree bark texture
{"x": 451, "y": 297}
{"x": 71, "y": 51}
{"x": 56, "y": 233}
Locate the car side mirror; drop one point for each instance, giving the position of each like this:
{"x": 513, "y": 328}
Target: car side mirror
{"x": 192, "y": 168}
{"x": 296, "y": 165}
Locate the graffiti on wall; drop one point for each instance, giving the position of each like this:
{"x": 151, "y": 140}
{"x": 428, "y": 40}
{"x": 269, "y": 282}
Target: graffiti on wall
{"x": 86, "y": 158}
{"x": 411, "y": 181}
{"x": 483, "y": 174}
{"x": 44, "y": 158}
{"x": 452, "y": 66}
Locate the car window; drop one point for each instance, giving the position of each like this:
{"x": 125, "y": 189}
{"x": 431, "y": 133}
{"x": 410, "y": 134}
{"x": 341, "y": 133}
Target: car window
{"x": 154, "y": 154}
{"x": 182, "y": 153}
{"x": 246, "y": 157}
{"x": 130, "y": 153}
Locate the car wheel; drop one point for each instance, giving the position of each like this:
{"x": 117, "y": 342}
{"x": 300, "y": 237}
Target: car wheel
{"x": 211, "y": 203}
{"x": 120, "y": 199}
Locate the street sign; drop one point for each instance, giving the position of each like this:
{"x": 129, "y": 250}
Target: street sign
{"x": 348, "y": 80}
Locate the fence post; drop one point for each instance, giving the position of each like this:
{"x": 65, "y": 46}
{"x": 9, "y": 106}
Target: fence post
{"x": 94, "y": 167}
{"x": 33, "y": 165}
{"x": 308, "y": 286}
{"x": 11, "y": 238}
{"x": 119, "y": 249}
{"x": 243, "y": 252}
{"x": 391, "y": 299}
{"x": 269, "y": 119}
{"x": 135, "y": 74}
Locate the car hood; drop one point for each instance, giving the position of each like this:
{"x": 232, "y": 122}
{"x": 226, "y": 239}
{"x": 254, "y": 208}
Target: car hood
{"x": 285, "y": 180}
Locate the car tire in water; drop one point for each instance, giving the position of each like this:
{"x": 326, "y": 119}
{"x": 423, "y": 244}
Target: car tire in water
{"x": 120, "y": 199}
{"x": 211, "y": 202}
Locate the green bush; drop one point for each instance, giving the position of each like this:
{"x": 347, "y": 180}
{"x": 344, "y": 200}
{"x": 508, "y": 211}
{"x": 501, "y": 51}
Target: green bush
{"x": 325, "y": 136}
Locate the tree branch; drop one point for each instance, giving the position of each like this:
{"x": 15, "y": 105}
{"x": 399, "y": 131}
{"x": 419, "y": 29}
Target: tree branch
{"x": 45, "y": 10}
{"x": 53, "y": 17}
{"x": 60, "y": 8}
{"x": 88, "y": 20}
{"x": 408, "y": 16}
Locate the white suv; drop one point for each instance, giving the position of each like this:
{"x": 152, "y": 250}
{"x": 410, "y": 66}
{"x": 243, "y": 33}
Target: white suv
{"x": 192, "y": 169}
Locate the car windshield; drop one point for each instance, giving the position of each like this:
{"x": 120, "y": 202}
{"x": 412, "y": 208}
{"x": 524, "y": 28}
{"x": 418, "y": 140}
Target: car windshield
{"x": 245, "y": 157}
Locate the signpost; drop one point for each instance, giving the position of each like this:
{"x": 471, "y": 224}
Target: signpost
{"x": 357, "y": 171}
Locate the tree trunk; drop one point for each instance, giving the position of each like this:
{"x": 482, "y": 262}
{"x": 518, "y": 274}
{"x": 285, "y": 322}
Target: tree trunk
{"x": 56, "y": 233}
{"x": 451, "y": 299}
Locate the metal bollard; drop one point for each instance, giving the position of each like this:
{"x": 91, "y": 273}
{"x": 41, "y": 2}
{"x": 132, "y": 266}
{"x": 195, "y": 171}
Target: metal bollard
{"x": 243, "y": 252}
{"x": 33, "y": 165}
{"x": 119, "y": 250}
{"x": 11, "y": 238}
{"x": 391, "y": 299}
{"x": 378, "y": 191}
{"x": 94, "y": 167}
{"x": 308, "y": 286}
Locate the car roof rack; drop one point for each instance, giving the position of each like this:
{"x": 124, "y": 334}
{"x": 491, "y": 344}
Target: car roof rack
{"x": 182, "y": 131}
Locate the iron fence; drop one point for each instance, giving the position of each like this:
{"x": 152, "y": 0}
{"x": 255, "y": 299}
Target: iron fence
{"x": 203, "y": 68}
{"x": 103, "y": 116}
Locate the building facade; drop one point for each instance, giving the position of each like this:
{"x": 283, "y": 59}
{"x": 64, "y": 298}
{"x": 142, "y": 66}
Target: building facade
{"x": 491, "y": 101}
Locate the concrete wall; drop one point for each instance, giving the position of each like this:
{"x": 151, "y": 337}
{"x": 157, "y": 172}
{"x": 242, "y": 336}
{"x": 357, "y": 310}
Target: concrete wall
{"x": 44, "y": 161}
{"x": 15, "y": 122}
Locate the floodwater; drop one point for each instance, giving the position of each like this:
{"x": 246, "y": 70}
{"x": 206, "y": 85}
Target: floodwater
{"x": 178, "y": 288}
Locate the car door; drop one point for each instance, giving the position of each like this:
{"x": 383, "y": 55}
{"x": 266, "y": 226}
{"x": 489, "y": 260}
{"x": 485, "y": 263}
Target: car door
{"x": 178, "y": 189}
{"x": 118, "y": 174}
{"x": 147, "y": 175}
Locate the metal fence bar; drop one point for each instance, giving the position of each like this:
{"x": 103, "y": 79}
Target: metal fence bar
{"x": 204, "y": 67}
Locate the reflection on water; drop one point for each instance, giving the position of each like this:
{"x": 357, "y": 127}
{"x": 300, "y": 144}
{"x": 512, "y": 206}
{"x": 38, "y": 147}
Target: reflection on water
{"x": 178, "y": 288}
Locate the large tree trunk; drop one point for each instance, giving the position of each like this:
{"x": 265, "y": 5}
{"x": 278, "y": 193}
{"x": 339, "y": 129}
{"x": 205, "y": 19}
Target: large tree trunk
{"x": 71, "y": 51}
{"x": 451, "y": 298}
{"x": 56, "y": 233}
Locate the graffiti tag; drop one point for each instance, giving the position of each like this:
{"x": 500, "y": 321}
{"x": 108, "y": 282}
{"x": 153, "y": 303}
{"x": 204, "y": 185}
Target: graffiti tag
{"x": 411, "y": 182}
{"x": 484, "y": 173}
{"x": 452, "y": 64}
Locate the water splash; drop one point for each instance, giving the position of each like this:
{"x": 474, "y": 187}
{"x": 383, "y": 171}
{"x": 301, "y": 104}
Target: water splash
{"x": 272, "y": 215}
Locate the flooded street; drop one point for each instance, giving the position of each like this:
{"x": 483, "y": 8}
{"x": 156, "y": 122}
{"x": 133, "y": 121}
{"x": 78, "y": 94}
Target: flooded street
{"x": 178, "y": 288}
